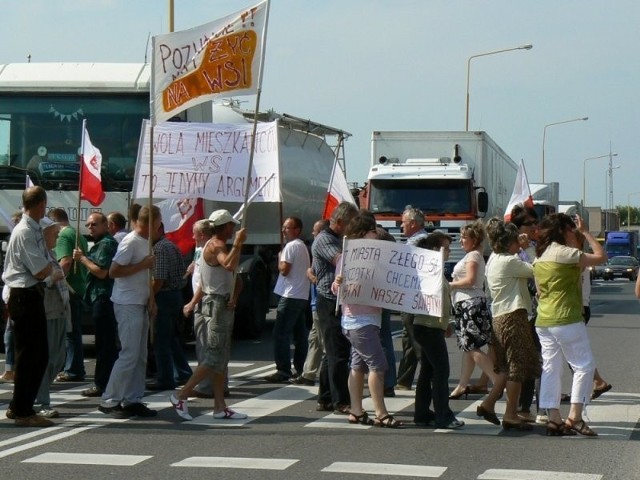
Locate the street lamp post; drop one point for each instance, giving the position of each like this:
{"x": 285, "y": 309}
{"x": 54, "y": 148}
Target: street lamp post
{"x": 528, "y": 46}
{"x": 584, "y": 174}
{"x": 629, "y": 209}
{"x": 544, "y": 135}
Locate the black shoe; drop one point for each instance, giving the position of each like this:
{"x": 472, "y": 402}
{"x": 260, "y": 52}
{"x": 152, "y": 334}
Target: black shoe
{"x": 139, "y": 410}
{"x": 115, "y": 412}
{"x": 276, "y": 378}
{"x": 10, "y": 414}
{"x": 92, "y": 392}
{"x": 389, "y": 392}
{"x": 342, "y": 409}
{"x": 324, "y": 407}
{"x": 156, "y": 387}
{"x": 300, "y": 380}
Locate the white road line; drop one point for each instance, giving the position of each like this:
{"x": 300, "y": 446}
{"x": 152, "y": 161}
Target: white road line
{"x": 54, "y": 438}
{"x": 194, "y": 364}
{"x": 260, "y": 406}
{"x": 29, "y": 436}
{"x": 424, "y": 471}
{"x": 236, "y": 462}
{"x": 89, "y": 459}
{"x": 248, "y": 373}
{"x": 507, "y": 474}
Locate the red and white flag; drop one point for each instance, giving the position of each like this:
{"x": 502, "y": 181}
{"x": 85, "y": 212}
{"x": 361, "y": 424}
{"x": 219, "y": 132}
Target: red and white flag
{"x": 178, "y": 217}
{"x": 90, "y": 178}
{"x": 521, "y": 193}
{"x": 338, "y": 192}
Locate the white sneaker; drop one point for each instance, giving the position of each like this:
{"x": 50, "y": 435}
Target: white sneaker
{"x": 542, "y": 419}
{"x": 49, "y": 413}
{"x": 228, "y": 414}
{"x": 180, "y": 406}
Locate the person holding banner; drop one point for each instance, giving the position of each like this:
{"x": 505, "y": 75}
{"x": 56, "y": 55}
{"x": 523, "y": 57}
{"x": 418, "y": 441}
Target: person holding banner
{"x": 430, "y": 332}
{"x": 513, "y": 342}
{"x": 473, "y": 318}
{"x": 361, "y": 326}
{"x": 333, "y": 394}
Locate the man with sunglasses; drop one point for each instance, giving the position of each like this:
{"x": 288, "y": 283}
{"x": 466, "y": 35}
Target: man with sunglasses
{"x": 98, "y": 295}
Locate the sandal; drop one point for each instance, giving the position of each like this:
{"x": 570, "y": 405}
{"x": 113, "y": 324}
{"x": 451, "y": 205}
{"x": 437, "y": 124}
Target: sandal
{"x": 387, "y": 422}
{"x": 362, "y": 419}
{"x": 555, "y": 429}
{"x": 580, "y": 427}
{"x": 599, "y": 391}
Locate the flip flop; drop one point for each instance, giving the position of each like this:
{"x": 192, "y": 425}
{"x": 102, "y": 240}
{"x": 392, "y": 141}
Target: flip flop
{"x": 599, "y": 391}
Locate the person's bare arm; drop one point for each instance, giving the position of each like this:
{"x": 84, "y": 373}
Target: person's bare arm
{"x": 117, "y": 270}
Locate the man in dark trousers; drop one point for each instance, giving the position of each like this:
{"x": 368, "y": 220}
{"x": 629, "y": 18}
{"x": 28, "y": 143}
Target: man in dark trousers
{"x": 26, "y": 266}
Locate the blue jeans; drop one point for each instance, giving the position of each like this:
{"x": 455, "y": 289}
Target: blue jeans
{"x": 390, "y": 377}
{"x": 290, "y": 320}
{"x": 171, "y": 362}
{"x": 433, "y": 379}
{"x": 74, "y": 364}
{"x": 106, "y": 332}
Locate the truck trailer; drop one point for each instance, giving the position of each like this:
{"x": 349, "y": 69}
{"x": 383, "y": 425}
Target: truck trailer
{"x": 621, "y": 244}
{"x": 453, "y": 177}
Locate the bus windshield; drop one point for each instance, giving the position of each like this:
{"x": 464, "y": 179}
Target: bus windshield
{"x": 40, "y": 134}
{"x": 430, "y": 196}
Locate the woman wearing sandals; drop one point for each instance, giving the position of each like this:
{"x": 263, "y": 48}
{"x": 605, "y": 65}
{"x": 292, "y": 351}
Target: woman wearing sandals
{"x": 361, "y": 326}
{"x": 560, "y": 325}
{"x": 513, "y": 342}
{"x": 473, "y": 318}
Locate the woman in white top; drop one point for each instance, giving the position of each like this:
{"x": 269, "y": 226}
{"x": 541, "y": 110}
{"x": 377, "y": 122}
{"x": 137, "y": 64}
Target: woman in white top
{"x": 513, "y": 344}
{"x": 473, "y": 318}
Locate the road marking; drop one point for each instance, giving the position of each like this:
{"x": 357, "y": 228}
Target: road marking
{"x": 248, "y": 373}
{"x": 194, "y": 364}
{"x": 508, "y": 474}
{"x": 236, "y": 462}
{"x": 424, "y": 471}
{"x": 89, "y": 459}
{"x": 260, "y": 406}
{"x": 54, "y": 438}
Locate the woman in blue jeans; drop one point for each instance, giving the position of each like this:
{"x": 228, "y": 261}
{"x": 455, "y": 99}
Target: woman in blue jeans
{"x": 430, "y": 332}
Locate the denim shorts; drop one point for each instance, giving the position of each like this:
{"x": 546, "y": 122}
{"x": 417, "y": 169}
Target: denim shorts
{"x": 366, "y": 349}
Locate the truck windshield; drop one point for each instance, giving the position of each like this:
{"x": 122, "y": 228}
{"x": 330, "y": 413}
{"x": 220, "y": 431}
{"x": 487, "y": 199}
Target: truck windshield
{"x": 41, "y": 134}
{"x": 431, "y": 196}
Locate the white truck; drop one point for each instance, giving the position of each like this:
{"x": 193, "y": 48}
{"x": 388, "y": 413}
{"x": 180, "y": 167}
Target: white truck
{"x": 546, "y": 197}
{"x": 42, "y": 106}
{"x": 453, "y": 177}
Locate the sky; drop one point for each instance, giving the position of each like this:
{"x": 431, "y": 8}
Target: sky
{"x": 370, "y": 65}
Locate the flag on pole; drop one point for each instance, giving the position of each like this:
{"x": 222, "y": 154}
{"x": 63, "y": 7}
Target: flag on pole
{"x": 197, "y": 65}
{"x": 178, "y": 217}
{"x": 521, "y": 192}
{"x": 337, "y": 192}
{"x": 90, "y": 178}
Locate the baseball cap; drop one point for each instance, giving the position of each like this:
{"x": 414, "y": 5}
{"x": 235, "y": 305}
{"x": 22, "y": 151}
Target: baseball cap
{"x": 46, "y": 222}
{"x": 222, "y": 217}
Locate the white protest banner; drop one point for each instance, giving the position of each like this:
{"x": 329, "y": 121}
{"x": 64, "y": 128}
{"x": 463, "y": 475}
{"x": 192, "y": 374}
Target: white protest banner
{"x": 208, "y": 161}
{"x": 197, "y": 65}
{"x": 391, "y": 275}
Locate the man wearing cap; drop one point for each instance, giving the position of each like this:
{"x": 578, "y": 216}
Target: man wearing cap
{"x": 131, "y": 298}
{"x": 25, "y": 268}
{"x": 218, "y": 294}
{"x": 293, "y": 288}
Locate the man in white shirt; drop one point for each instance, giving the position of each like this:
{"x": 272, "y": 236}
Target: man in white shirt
{"x": 293, "y": 288}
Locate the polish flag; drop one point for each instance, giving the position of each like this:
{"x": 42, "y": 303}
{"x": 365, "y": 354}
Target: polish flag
{"x": 521, "y": 193}
{"x": 90, "y": 179}
{"x": 178, "y": 217}
{"x": 338, "y": 191}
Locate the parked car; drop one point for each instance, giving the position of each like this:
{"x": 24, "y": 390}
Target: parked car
{"x": 626, "y": 267}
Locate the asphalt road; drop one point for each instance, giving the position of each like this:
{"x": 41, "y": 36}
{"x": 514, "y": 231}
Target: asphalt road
{"x": 285, "y": 437}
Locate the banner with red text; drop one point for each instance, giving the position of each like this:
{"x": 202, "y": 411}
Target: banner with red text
{"x": 391, "y": 275}
{"x": 222, "y": 57}
{"x": 208, "y": 161}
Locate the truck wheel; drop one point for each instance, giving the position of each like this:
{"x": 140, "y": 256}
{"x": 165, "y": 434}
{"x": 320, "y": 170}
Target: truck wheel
{"x": 253, "y": 303}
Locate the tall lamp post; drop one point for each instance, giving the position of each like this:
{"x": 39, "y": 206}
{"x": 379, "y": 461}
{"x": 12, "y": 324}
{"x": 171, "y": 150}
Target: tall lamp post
{"x": 584, "y": 174}
{"x": 629, "y": 209}
{"x": 544, "y": 135}
{"x": 528, "y": 46}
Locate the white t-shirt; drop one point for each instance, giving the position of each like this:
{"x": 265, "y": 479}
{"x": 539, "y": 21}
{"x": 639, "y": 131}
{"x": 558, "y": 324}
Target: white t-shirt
{"x": 133, "y": 289}
{"x": 296, "y": 284}
{"x": 460, "y": 271}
